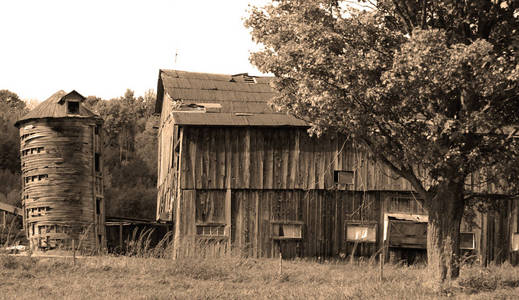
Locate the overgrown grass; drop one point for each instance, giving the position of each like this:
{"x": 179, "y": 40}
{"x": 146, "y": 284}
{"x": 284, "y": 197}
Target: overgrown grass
{"x": 237, "y": 278}
{"x": 149, "y": 272}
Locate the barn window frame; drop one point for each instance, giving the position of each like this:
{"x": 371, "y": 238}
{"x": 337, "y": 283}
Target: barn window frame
{"x": 98, "y": 205}
{"x": 211, "y": 230}
{"x": 284, "y": 227}
{"x": 73, "y": 107}
{"x": 371, "y": 226}
{"x": 515, "y": 242}
{"x": 468, "y": 233}
{"x": 344, "y": 177}
{"x": 97, "y": 162}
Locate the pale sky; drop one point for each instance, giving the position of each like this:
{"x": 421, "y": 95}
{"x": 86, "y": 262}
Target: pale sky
{"x": 102, "y": 47}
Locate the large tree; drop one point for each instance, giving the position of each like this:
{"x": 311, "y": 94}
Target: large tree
{"x": 428, "y": 87}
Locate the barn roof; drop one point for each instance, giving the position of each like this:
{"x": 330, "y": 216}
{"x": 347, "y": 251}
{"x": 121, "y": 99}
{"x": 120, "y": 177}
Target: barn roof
{"x": 54, "y": 107}
{"x": 231, "y": 100}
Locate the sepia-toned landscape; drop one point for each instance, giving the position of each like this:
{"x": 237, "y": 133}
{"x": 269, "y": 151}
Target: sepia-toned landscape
{"x": 375, "y": 156}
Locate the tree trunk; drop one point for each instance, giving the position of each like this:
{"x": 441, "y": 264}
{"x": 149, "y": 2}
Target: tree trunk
{"x": 443, "y": 231}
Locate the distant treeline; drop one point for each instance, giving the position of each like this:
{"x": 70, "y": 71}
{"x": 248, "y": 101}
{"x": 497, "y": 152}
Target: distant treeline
{"x": 129, "y": 154}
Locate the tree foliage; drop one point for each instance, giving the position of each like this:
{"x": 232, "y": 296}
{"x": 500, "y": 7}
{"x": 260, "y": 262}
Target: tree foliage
{"x": 129, "y": 154}
{"x": 11, "y": 107}
{"x": 421, "y": 83}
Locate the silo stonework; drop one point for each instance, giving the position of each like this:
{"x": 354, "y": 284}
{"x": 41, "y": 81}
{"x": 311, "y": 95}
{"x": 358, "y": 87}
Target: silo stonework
{"x": 62, "y": 195}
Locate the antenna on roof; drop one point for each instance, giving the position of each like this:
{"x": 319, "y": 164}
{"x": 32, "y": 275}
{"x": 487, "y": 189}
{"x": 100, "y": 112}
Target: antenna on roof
{"x": 176, "y": 55}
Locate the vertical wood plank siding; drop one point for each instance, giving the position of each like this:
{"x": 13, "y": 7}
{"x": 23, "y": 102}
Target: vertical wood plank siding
{"x": 276, "y": 175}
{"x": 265, "y": 158}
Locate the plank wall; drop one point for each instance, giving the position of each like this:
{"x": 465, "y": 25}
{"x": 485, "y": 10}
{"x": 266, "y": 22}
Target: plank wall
{"x": 281, "y": 174}
{"x": 276, "y": 158}
{"x": 253, "y": 213}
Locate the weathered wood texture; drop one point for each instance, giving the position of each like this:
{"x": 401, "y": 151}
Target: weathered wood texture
{"x": 167, "y": 188}
{"x": 282, "y": 158}
{"x": 61, "y": 183}
{"x": 277, "y": 175}
{"x": 256, "y": 214}
{"x": 494, "y": 230}
{"x": 278, "y": 158}
{"x": 323, "y": 215}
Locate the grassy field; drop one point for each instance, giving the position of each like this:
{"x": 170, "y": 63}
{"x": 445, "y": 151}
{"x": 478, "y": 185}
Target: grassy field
{"x": 231, "y": 278}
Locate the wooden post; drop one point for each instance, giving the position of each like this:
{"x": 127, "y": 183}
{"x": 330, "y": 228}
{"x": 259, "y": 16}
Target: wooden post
{"x": 381, "y": 261}
{"x": 74, "y": 252}
{"x": 228, "y": 220}
{"x": 4, "y": 220}
{"x": 121, "y": 236}
{"x": 280, "y": 260}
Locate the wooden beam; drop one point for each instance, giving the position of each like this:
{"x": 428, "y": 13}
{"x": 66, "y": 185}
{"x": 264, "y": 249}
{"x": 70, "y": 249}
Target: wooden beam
{"x": 11, "y": 209}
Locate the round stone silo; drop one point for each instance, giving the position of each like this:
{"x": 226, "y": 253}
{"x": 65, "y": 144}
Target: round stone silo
{"x": 62, "y": 192}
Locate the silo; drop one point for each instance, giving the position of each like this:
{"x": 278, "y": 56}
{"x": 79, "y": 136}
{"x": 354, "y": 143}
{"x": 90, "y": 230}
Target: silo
{"x": 62, "y": 195}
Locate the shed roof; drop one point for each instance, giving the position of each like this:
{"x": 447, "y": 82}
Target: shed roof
{"x": 54, "y": 107}
{"x": 243, "y": 99}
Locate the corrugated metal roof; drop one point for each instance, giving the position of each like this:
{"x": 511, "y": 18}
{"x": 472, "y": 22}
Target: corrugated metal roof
{"x": 54, "y": 107}
{"x": 233, "y": 119}
{"x": 239, "y": 93}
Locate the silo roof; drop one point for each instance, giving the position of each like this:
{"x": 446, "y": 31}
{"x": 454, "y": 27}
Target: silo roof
{"x": 54, "y": 107}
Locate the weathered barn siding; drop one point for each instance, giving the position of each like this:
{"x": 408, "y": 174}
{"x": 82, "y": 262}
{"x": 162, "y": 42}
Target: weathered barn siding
{"x": 276, "y": 158}
{"x": 277, "y": 175}
{"x": 236, "y": 176}
{"x": 323, "y": 215}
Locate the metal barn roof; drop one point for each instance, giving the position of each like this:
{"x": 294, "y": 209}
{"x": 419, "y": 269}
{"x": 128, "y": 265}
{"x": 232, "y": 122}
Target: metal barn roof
{"x": 54, "y": 107}
{"x": 235, "y": 100}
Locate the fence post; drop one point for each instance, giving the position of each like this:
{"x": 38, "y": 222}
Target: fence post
{"x": 280, "y": 260}
{"x": 381, "y": 261}
{"x": 74, "y": 252}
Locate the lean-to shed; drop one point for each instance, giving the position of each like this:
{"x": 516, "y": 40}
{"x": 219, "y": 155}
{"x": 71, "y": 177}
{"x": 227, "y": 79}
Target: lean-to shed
{"x": 62, "y": 184}
{"x": 234, "y": 173}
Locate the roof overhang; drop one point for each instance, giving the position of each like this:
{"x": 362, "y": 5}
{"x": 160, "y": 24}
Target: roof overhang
{"x": 236, "y": 119}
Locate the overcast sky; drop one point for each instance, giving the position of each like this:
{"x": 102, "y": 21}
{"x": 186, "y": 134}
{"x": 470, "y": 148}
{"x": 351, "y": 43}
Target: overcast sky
{"x": 102, "y": 47}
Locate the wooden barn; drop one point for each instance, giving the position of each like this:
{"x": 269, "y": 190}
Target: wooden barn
{"x": 62, "y": 183}
{"x": 233, "y": 172}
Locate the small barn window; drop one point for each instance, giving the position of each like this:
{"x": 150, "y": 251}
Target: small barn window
{"x": 467, "y": 241}
{"x": 287, "y": 230}
{"x": 96, "y": 130}
{"x": 210, "y": 230}
{"x": 97, "y": 158}
{"x": 98, "y": 206}
{"x": 72, "y": 107}
{"x": 361, "y": 233}
{"x": 342, "y": 177}
{"x": 515, "y": 241}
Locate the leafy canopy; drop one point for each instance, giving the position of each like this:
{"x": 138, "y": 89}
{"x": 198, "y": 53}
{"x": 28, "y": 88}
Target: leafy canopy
{"x": 429, "y": 83}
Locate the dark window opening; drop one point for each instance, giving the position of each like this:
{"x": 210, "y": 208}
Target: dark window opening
{"x": 98, "y": 162}
{"x": 73, "y": 107}
{"x": 98, "y": 206}
{"x": 96, "y": 129}
{"x": 343, "y": 177}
